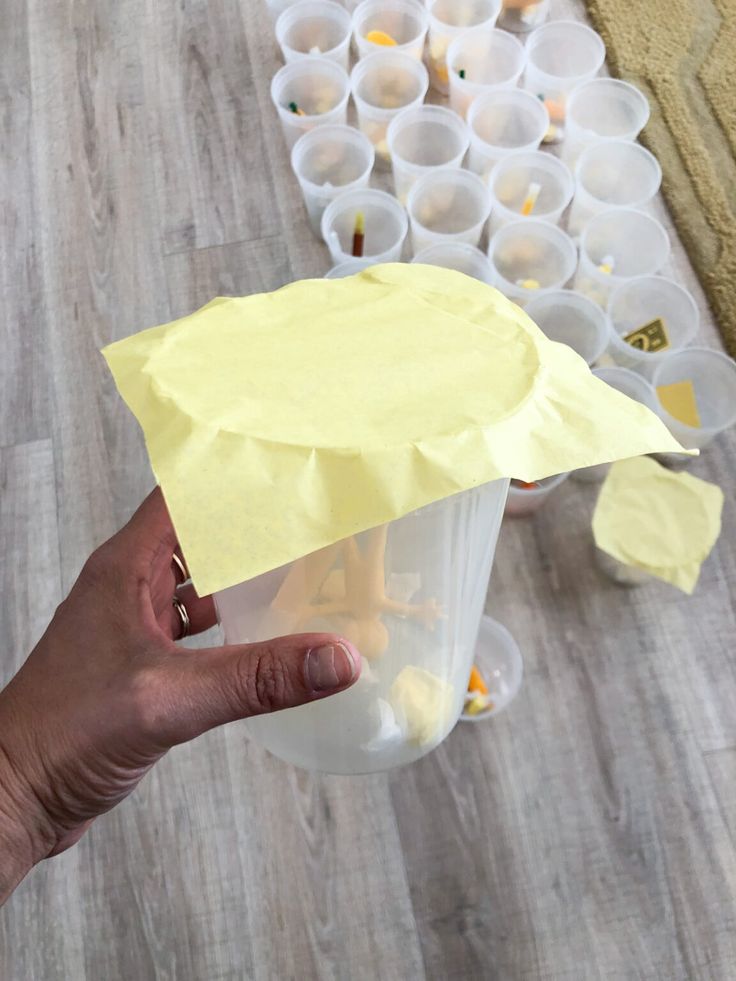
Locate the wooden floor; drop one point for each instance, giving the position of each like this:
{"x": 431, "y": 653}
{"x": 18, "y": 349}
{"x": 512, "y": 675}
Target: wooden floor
{"x": 587, "y": 833}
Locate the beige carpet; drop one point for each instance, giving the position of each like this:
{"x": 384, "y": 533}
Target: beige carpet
{"x": 682, "y": 54}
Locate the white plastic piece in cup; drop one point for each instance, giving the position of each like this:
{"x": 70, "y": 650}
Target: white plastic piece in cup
{"x": 619, "y": 572}
{"x": 460, "y": 256}
{"x": 348, "y": 268}
{"x": 498, "y": 658}
{"x": 422, "y": 139}
{"x": 317, "y": 89}
{"x": 448, "y": 205}
{"x": 480, "y": 61}
{"x": 640, "y": 301}
{"x": 529, "y": 184}
{"x": 713, "y": 378}
{"x": 612, "y": 174}
{"x": 522, "y": 16}
{"x": 523, "y": 501}
{"x": 501, "y": 122}
{"x": 384, "y": 84}
{"x": 447, "y": 19}
{"x": 561, "y": 55}
{"x": 315, "y": 28}
{"x": 529, "y": 256}
{"x": 403, "y": 21}
{"x": 435, "y": 563}
{"x": 572, "y": 319}
{"x": 385, "y": 220}
{"x": 602, "y": 109}
{"x": 615, "y": 246}
{"x": 628, "y": 383}
{"x": 328, "y": 161}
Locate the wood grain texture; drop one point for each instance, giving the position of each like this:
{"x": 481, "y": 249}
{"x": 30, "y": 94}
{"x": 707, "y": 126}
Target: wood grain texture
{"x": 587, "y": 832}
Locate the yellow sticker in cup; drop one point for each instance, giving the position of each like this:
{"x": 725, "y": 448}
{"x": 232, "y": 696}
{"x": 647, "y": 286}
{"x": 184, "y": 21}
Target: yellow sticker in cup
{"x": 652, "y": 337}
{"x": 679, "y": 400}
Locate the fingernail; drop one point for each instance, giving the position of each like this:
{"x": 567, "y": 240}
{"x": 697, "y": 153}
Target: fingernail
{"x": 328, "y": 667}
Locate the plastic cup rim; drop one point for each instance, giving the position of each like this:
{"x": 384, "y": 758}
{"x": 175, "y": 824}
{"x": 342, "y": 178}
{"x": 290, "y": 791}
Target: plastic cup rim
{"x": 436, "y": 175}
{"x": 554, "y": 164}
{"x": 527, "y": 225}
{"x": 477, "y": 106}
{"x": 711, "y": 352}
{"x": 289, "y": 16}
{"x": 297, "y": 67}
{"x": 645, "y": 357}
{"x": 363, "y": 65}
{"x": 599, "y": 318}
{"x": 602, "y": 144}
{"x": 407, "y": 6}
{"x": 617, "y": 83}
{"x": 444, "y": 28}
{"x": 538, "y": 36}
{"x": 353, "y": 135}
{"x": 613, "y": 277}
{"x": 507, "y": 639}
{"x": 391, "y": 204}
{"x": 431, "y": 113}
{"x": 493, "y": 32}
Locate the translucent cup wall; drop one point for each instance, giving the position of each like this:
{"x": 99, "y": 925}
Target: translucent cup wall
{"x": 501, "y": 122}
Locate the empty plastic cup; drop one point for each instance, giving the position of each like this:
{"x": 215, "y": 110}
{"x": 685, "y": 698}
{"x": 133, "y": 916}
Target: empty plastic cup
{"x": 348, "y": 268}
{"x": 447, "y": 19}
{"x": 498, "y": 659}
{"x": 628, "y": 383}
{"x": 309, "y": 92}
{"x": 522, "y": 16}
{"x": 617, "y": 245}
{"x": 645, "y": 301}
{"x": 421, "y": 139}
{"x": 612, "y": 174}
{"x": 315, "y": 27}
{"x": 602, "y": 109}
{"x": 529, "y": 256}
{"x": 398, "y": 24}
{"x": 383, "y": 84}
{"x": 385, "y": 225}
{"x": 480, "y": 61}
{"x": 327, "y": 161}
{"x": 501, "y": 122}
{"x": 434, "y": 564}
{"x": 709, "y": 379}
{"x": 457, "y": 255}
{"x": 561, "y": 55}
{"x": 529, "y": 184}
{"x": 572, "y": 319}
{"x": 525, "y": 499}
{"x": 448, "y": 205}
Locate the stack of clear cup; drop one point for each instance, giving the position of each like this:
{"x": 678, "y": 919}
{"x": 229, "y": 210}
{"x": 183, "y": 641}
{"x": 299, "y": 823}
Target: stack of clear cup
{"x": 447, "y": 19}
{"x": 315, "y": 27}
{"x": 398, "y": 24}
{"x": 522, "y": 16}
{"x": 526, "y": 499}
{"x": 570, "y": 318}
{"x": 602, "y": 109}
{"x": 328, "y": 161}
{"x": 481, "y": 61}
{"x": 612, "y": 174}
{"x": 459, "y": 256}
{"x": 530, "y": 256}
{"x": 384, "y": 84}
{"x": 502, "y": 122}
{"x": 422, "y": 139}
{"x": 529, "y": 184}
{"x": 616, "y": 245}
{"x": 385, "y": 226}
{"x": 648, "y": 300}
{"x": 307, "y": 93}
{"x": 447, "y": 205}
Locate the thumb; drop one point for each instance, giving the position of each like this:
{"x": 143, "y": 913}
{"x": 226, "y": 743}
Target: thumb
{"x": 206, "y": 688}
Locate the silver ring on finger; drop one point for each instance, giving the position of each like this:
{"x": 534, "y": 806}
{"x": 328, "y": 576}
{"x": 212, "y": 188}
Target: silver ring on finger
{"x": 180, "y": 567}
{"x": 183, "y": 617}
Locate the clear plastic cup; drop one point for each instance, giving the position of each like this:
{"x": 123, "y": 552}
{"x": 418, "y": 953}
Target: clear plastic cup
{"x": 612, "y": 174}
{"x": 348, "y": 268}
{"x": 561, "y": 55}
{"x": 318, "y": 88}
{"x": 277, "y": 7}
{"x": 385, "y": 220}
{"x": 713, "y": 377}
{"x": 639, "y": 301}
{"x": 522, "y": 16}
{"x": 529, "y": 256}
{"x": 422, "y": 139}
{"x": 488, "y": 60}
{"x": 529, "y": 184}
{"x": 448, "y": 205}
{"x": 615, "y": 246}
{"x": 403, "y": 21}
{"x": 328, "y": 161}
{"x": 447, "y": 19}
{"x": 425, "y": 576}
{"x": 315, "y": 27}
{"x": 602, "y": 109}
{"x": 384, "y": 84}
{"x": 628, "y": 383}
{"x": 619, "y": 572}
{"x": 502, "y": 122}
{"x": 498, "y": 658}
{"x": 572, "y": 319}
{"x": 523, "y": 501}
{"x": 459, "y": 256}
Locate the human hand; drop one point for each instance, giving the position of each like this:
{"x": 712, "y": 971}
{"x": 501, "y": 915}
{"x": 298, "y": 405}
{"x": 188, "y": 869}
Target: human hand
{"x": 107, "y": 691}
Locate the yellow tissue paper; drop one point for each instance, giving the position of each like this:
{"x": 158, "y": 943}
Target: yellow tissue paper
{"x": 282, "y": 422}
{"x": 654, "y": 519}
